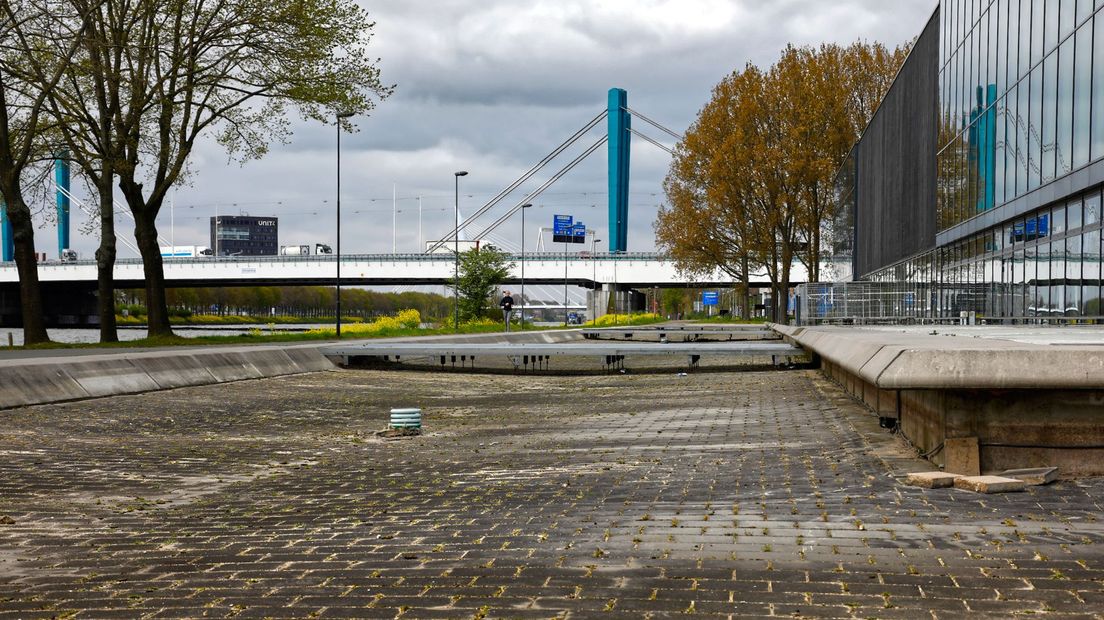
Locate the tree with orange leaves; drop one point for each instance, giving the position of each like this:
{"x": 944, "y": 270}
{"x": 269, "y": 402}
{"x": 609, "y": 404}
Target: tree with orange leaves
{"x": 750, "y": 187}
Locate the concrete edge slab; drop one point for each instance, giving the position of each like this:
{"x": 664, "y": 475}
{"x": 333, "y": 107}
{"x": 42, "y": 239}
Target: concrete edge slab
{"x": 61, "y": 380}
{"x": 894, "y": 361}
{"x": 32, "y": 385}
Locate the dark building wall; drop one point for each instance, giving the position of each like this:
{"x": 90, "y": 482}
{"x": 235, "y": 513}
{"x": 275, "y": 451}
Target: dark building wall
{"x": 243, "y": 235}
{"x": 896, "y": 164}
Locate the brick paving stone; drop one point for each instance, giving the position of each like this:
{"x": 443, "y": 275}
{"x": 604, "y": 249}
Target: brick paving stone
{"x": 724, "y": 494}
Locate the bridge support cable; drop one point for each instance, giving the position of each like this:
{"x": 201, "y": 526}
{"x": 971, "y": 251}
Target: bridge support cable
{"x": 522, "y": 179}
{"x": 653, "y": 142}
{"x": 540, "y": 190}
{"x": 653, "y": 123}
{"x": 95, "y": 216}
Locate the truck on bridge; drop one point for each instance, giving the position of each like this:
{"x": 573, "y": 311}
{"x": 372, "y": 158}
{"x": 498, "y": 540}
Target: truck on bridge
{"x": 186, "y": 251}
{"x": 320, "y": 249}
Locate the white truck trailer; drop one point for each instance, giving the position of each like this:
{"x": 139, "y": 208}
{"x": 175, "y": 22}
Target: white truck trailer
{"x": 186, "y": 251}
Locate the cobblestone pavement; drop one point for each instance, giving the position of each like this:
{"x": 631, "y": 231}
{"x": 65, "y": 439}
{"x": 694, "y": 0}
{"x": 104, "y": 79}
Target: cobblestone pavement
{"x": 729, "y": 494}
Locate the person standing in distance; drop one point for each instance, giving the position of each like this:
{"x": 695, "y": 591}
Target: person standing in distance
{"x": 507, "y": 305}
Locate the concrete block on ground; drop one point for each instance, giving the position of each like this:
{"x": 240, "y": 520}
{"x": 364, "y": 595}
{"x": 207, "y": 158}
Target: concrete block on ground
{"x": 229, "y": 366}
{"x": 174, "y": 371}
{"x": 962, "y": 456}
{"x": 989, "y": 484}
{"x": 309, "y": 359}
{"x": 1033, "y": 477}
{"x": 271, "y": 362}
{"x": 31, "y": 385}
{"x": 106, "y": 377}
{"x": 931, "y": 479}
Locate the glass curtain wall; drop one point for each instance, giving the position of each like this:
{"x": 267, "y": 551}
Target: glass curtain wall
{"x": 1044, "y": 265}
{"x": 1021, "y": 99}
{"x": 1021, "y": 106}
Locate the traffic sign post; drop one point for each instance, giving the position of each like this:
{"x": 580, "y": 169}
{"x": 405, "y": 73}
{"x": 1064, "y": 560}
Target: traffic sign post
{"x": 710, "y": 299}
{"x": 561, "y": 228}
{"x": 578, "y": 233}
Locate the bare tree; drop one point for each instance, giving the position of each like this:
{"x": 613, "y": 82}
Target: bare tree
{"x": 86, "y": 112}
{"x": 33, "y": 57}
{"x": 172, "y": 71}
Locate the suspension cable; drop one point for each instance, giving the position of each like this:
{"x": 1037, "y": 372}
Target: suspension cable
{"x": 652, "y": 123}
{"x": 656, "y": 144}
{"x": 87, "y": 211}
{"x": 523, "y": 178}
{"x": 537, "y": 192}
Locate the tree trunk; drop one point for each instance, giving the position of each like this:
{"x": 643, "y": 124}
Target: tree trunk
{"x": 782, "y": 295}
{"x": 814, "y": 256}
{"x": 105, "y": 263}
{"x": 745, "y": 297}
{"x": 26, "y": 263}
{"x": 157, "y": 311}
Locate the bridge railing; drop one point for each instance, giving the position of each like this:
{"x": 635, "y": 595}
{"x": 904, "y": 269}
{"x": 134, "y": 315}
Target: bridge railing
{"x": 412, "y": 257}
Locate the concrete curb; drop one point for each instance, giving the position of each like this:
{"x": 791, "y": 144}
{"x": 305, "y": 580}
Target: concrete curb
{"x": 58, "y": 379}
{"x": 61, "y": 378}
{"x": 898, "y": 361}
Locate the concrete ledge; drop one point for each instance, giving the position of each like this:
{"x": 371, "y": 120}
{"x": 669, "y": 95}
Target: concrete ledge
{"x": 1022, "y": 397}
{"x": 56, "y": 379}
{"x": 911, "y": 359}
{"x": 176, "y": 371}
{"x": 29, "y": 385}
{"x": 110, "y": 376}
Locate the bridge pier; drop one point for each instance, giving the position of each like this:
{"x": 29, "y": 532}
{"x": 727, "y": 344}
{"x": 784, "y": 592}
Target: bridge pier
{"x": 63, "y": 305}
{"x": 611, "y": 299}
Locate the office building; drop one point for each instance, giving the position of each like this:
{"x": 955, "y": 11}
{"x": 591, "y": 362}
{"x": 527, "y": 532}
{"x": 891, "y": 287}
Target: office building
{"x": 243, "y": 235}
{"x": 977, "y": 185}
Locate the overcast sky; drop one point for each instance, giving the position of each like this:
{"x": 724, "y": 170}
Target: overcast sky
{"x": 491, "y": 87}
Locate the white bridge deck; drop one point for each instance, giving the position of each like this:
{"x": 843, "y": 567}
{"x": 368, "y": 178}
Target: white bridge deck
{"x": 628, "y": 269}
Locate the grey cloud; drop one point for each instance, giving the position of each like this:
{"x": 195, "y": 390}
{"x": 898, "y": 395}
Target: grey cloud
{"x": 491, "y": 87}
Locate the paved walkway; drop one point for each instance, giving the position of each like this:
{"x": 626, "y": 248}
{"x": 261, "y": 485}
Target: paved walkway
{"x": 728, "y": 494}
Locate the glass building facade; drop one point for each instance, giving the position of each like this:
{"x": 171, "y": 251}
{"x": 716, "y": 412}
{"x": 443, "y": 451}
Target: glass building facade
{"x": 1020, "y": 164}
{"x": 1018, "y": 85}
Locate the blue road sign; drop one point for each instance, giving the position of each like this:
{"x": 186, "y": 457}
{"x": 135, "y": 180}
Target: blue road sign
{"x": 561, "y": 224}
{"x": 578, "y": 231}
{"x": 711, "y": 298}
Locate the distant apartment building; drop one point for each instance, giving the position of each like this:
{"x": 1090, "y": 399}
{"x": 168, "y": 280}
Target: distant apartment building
{"x": 244, "y": 235}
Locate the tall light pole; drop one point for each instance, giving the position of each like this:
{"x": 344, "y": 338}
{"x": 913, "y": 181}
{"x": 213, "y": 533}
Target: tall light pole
{"x": 340, "y": 116}
{"x": 594, "y": 272}
{"x": 525, "y": 206}
{"x": 616, "y": 297}
{"x": 456, "y": 252}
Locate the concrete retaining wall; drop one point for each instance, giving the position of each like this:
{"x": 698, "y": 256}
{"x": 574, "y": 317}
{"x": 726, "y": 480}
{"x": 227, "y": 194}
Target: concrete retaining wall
{"x": 57, "y": 379}
{"x": 43, "y": 380}
{"x": 1027, "y": 405}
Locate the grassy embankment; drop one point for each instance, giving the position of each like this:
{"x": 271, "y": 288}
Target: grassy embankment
{"x": 404, "y": 324}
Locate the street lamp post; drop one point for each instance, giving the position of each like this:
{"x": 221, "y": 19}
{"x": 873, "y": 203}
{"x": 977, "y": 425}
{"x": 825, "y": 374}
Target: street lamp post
{"x": 337, "y": 280}
{"x": 594, "y": 273}
{"x": 523, "y": 208}
{"x": 616, "y": 297}
{"x": 456, "y": 252}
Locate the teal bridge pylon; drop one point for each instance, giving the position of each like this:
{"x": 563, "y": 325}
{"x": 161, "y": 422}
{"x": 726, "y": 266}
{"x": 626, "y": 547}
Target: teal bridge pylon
{"x": 617, "y": 116}
{"x": 617, "y": 138}
{"x": 61, "y": 180}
